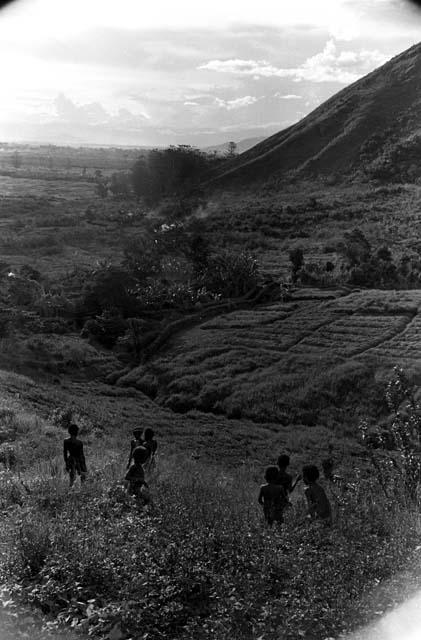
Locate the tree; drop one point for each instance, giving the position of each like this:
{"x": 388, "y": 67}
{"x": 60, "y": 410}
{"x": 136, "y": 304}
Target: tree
{"x": 142, "y": 258}
{"x": 231, "y": 149}
{"x": 101, "y": 189}
{"x": 16, "y": 160}
{"x": 120, "y": 184}
{"x": 355, "y": 247}
{"x": 230, "y": 274}
{"x": 106, "y": 328}
{"x": 108, "y": 287}
{"x": 169, "y": 172}
{"x": 296, "y": 257}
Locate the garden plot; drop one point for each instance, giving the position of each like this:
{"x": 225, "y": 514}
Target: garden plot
{"x": 304, "y": 362}
{"x": 351, "y": 335}
{"x": 404, "y": 347}
{"x": 236, "y": 345}
{"x": 376, "y": 301}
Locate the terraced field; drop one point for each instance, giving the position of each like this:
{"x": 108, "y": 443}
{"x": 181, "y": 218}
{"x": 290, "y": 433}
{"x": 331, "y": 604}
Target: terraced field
{"x": 321, "y": 359}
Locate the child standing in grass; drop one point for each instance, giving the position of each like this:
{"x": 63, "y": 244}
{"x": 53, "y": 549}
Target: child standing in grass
{"x": 284, "y": 478}
{"x": 74, "y": 457}
{"x": 135, "y": 477}
{"x": 318, "y": 504}
{"x": 134, "y": 443}
{"x": 273, "y": 497}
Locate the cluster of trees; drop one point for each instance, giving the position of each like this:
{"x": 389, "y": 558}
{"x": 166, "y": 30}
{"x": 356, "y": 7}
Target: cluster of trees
{"x": 170, "y": 172}
{"x": 359, "y": 264}
{"x": 171, "y": 268}
{"x": 118, "y": 184}
{"x": 370, "y": 267}
{"x": 161, "y": 173}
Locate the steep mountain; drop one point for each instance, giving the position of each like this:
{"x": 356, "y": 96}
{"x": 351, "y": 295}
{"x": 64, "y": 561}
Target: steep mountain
{"x": 372, "y": 126}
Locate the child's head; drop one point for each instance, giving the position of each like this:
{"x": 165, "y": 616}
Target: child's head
{"x": 327, "y": 466}
{"x": 148, "y": 434}
{"x": 283, "y": 461}
{"x": 137, "y": 433}
{"x": 140, "y": 455}
{"x": 271, "y": 475}
{"x": 73, "y": 429}
{"x": 310, "y": 473}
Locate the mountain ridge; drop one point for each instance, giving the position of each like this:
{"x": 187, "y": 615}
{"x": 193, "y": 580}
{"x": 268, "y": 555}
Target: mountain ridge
{"x": 354, "y": 127}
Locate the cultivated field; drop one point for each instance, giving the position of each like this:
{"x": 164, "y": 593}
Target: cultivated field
{"x": 318, "y": 365}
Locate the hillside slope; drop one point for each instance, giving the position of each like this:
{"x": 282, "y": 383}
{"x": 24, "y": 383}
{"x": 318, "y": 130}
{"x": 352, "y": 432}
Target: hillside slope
{"x": 364, "y": 126}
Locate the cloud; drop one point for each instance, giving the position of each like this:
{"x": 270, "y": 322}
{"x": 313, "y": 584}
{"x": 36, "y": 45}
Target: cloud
{"x": 236, "y": 103}
{"x": 94, "y": 114}
{"x": 288, "y": 96}
{"x": 330, "y": 65}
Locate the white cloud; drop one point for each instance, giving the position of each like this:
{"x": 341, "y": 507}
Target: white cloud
{"x": 94, "y": 113}
{"x": 190, "y": 103}
{"x": 329, "y": 65}
{"x": 236, "y": 103}
{"x": 288, "y": 96}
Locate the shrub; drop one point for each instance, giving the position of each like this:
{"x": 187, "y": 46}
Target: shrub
{"x": 231, "y": 274}
{"x": 296, "y": 257}
{"x": 120, "y": 184}
{"x": 106, "y": 328}
{"x": 108, "y": 287}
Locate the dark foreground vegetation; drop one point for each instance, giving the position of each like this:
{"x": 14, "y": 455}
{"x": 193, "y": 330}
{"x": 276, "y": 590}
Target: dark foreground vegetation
{"x": 199, "y": 562}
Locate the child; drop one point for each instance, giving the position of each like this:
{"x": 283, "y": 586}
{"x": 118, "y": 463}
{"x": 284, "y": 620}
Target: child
{"x": 150, "y": 444}
{"x": 74, "y": 458}
{"x": 284, "y": 478}
{"x": 135, "y": 442}
{"x": 135, "y": 477}
{"x": 273, "y": 497}
{"x": 318, "y": 504}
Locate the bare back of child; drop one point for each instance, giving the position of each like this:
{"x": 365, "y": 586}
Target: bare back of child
{"x": 135, "y": 477}
{"x": 273, "y": 497}
{"x": 319, "y": 507}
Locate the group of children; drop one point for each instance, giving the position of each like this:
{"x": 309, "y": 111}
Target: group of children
{"x": 274, "y": 495}
{"x": 143, "y": 448}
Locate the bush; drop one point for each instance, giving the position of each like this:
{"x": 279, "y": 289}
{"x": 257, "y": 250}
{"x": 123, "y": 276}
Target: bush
{"x": 108, "y": 287}
{"x": 231, "y": 274}
{"x": 106, "y": 328}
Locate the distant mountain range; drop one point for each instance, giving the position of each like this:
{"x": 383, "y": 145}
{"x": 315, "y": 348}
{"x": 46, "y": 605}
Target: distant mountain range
{"x": 372, "y": 126}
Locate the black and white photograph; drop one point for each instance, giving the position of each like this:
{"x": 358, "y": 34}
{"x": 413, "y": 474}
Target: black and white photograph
{"x": 210, "y": 320}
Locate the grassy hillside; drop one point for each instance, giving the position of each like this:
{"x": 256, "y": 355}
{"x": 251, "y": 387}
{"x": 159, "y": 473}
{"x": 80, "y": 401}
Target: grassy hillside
{"x": 350, "y": 133}
{"x": 231, "y": 389}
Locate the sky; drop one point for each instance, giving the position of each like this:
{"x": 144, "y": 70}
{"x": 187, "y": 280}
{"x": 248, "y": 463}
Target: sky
{"x": 199, "y": 72}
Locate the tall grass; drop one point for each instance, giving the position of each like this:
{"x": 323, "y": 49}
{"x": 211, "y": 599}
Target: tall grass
{"x": 199, "y": 562}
